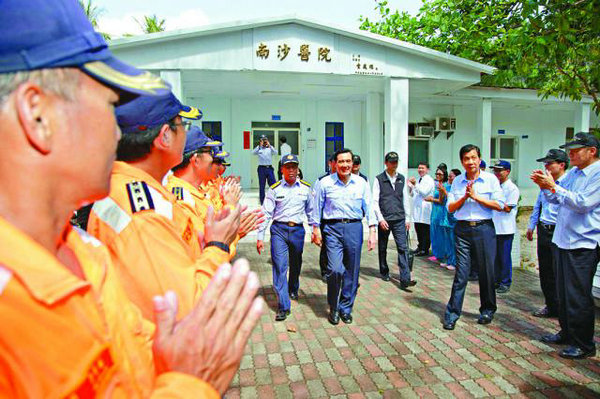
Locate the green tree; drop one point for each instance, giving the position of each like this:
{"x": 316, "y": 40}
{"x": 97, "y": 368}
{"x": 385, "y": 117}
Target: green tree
{"x": 549, "y": 45}
{"x": 151, "y": 24}
{"x": 93, "y": 13}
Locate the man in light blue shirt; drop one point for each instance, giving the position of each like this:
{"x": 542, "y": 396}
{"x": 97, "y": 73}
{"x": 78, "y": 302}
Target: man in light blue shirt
{"x": 287, "y": 203}
{"x": 544, "y": 218}
{"x": 473, "y": 198}
{"x": 577, "y": 238}
{"x": 265, "y": 152}
{"x": 340, "y": 200}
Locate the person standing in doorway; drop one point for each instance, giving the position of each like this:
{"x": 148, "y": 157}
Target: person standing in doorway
{"x": 284, "y": 149}
{"x": 265, "y": 152}
{"x": 356, "y": 165}
{"x": 419, "y": 189}
{"x": 505, "y": 223}
{"x": 544, "y": 217}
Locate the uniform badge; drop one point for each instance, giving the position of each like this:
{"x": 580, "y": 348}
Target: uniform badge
{"x": 139, "y": 196}
{"x": 178, "y": 193}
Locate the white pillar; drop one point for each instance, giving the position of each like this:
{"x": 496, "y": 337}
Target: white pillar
{"x": 484, "y": 128}
{"x": 173, "y": 77}
{"x": 582, "y": 117}
{"x": 372, "y": 139}
{"x": 396, "y": 120}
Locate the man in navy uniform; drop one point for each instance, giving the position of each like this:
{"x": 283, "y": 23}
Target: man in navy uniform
{"x": 473, "y": 197}
{"x": 576, "y": 239}
{"x": 287, "y": 202}
{"x": 390, "y": 201}
{"x": 342, "y": 198}
{"x": 265, "y": 151}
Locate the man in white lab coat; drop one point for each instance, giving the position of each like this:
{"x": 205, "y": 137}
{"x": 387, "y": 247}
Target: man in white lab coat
{"x": 419, "y": 189}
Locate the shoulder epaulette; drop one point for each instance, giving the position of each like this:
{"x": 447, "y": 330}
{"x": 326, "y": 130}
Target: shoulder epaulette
{"x": 139, "y": 196}
{"x": 276, "y": 184}
{"x": 178, "y": 193}
{"x": 307, "y": 184}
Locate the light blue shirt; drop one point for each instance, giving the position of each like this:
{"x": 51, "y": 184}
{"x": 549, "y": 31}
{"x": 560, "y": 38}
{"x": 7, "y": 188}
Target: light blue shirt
{"x": 337, "y": 200}
{"x": 264, "y": 154}
{"x": 578, "y": 197}
{"x": 286, "y": 203}
{"x": 486, "y": 186}
{"x": 544, "y": 211}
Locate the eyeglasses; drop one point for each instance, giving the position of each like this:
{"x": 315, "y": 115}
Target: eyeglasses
{"x": 185, "y": 124}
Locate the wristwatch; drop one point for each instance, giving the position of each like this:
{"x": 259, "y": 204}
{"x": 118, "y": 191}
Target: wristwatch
{"x": 218, "y": 244}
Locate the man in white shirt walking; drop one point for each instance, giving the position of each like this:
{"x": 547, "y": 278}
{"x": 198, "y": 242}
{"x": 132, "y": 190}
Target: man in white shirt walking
{"x": 505, "y": 223}
{"x": 419, "y": 189}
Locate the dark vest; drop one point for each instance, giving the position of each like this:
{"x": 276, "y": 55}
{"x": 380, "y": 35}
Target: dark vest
{"x": 391, "y": 199}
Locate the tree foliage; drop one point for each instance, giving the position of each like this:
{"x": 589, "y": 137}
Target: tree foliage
{"x": 549, "y": 45}
{"x": 151, "y": 24}
{"x": 93, "y": 12}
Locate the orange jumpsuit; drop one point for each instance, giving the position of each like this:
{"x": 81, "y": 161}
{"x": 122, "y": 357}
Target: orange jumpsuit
{"x": 212, "y": 189}
{"x": 141, "y": 224}
{"x": 65, "y": 336}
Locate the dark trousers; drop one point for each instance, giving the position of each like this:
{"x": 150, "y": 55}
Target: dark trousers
{"x": 545, "y": 253}
{"x": 398, "y": 229}
{"x": 265, "y": 173}
{"x": 287, "y": 244}
{"x": 323, "y": 255}
{"x": 473, "y": 244}
{"x": 575, "y": 269}
{"x": 344, "y": 243}
{"x": 503, "y": 264}
{"x": 423, "y": 237}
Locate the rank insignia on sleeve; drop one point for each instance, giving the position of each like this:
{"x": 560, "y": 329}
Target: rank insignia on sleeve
{"x": 307, "y": 184}
{"x": 139, "y": 196}
{"x": 178, "y": 193}
{"x": 273, "y": 186}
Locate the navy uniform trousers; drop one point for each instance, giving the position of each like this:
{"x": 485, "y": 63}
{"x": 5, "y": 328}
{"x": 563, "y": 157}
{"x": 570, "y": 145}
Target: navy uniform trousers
{"x": 265, "y": 174}
{"x": 473, "y": 244}
{"x": 575, "y": 269}
{"x": 398, "y": 229}
{"x": 343, "y": 242}
{"x": 287, "y": 244}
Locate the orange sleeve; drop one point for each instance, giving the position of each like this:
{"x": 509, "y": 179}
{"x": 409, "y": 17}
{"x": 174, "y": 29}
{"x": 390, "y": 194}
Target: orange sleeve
{"x": 206, "y": 265}
{"x": 178, "y": 385}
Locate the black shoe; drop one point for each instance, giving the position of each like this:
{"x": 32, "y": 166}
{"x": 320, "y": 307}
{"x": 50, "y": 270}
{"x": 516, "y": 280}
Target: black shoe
{"x": 405, "y": 284}
{"x": 502, "y": 289}
{"x": 485, "y": 319}
{"x": 294, "y": 296}
{"x": 544, "y": 313}
{"x": 422, "y": 253}
{"x": 449, "y": 325}
{"x": 557, "y": 339}
{"x": 334, "y": 317}
{"x": 324, "y": 279}
{"x": 414, "y": 251}
{"x": 282, "y": 315}
{"x": 385, "y": 277}
{"x": 346, "y": 318}
{"x": 574, "y": 352}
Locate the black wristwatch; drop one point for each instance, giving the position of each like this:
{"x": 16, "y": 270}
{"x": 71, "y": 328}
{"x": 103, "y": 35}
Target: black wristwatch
{"x": 218, "y": 244}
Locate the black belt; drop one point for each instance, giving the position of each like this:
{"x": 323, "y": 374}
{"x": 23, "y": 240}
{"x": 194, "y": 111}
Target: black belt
{"x": 474, "y": 223}
{"x": 549, "y": 227}
{"x": 332, "y": 221}
{"x": 291, "y": 224}
{"x": 265, "y": 166}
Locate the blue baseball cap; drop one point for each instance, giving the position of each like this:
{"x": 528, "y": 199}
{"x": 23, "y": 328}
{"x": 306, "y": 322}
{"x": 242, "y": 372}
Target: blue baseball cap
{"x": 196, "y": 139}
{"x": 290, "y": 159}
{"x": 501, "y": 164}
{"x": 146, "y": 112}
{"x": 221, "y": 157}
{"x": 482, "y": 164}
{"x": 41, "y": 34}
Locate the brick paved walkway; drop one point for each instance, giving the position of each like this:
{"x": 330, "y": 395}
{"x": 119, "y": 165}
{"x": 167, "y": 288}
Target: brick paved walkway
{"x": 396, "y": 346}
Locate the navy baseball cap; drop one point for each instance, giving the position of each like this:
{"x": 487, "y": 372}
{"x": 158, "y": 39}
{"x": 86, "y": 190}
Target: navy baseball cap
{"x": 554, "y": 155}
{"x": 196, "y": 139}
{"x": 41, "y": 34}
{"x": 391, "y": 156}
{"x": 502, "y": 164}
{"x": 581, "y": 140}
{"x": 146, "y": 112}
{"x": 290, "y": 159}
{"x": 356, "y": 160}
{"x": 221, "y": 157}
{"x": 482, "y": 164}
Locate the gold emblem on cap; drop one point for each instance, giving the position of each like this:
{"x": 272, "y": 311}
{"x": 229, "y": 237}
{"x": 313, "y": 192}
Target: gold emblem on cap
{"x": 290, "y": 157}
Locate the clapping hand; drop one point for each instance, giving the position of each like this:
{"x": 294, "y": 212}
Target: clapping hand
{"x": 543, "y": 179}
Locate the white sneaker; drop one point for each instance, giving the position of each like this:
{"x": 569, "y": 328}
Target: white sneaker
{"x": 450, "y": 267}
{"x": 443, "y": 264}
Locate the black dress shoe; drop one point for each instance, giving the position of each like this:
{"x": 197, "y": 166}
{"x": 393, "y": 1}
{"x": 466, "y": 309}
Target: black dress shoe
{"x": 334, "y": 317}
{"x": 449, "y": 325}
{"x": 324, "y": 279}
{"x": 405, "y": 284}
{"x": 385, "y": 277}
{"x": 282, "y": 315}
{"x": 346, "y": 318}
{"x": 294, "y": 296}
{"x": 574, "y": 352}
{"x": 422, "y": 253}
{"x": 544, "y": 313}
{"x": 485, "y": 319}
{"x": 502, "y": 289}
{"x": 557, "y": 339}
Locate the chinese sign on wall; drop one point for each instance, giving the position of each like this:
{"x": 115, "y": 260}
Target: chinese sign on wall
{"x": 304, "y": 53}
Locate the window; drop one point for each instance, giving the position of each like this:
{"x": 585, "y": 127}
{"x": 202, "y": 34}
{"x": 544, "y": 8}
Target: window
{"x": 212, "y": 130}
{"x": 503, "y": 148}
{"x": 334, "y": 139}
{"x": 418, "y": 151}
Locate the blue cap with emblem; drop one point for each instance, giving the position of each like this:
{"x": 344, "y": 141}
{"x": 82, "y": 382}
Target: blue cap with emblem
{"x": 290, "y": 159}
{"x": 146, "y": 112}
{"x": 41, "y": 34}
{"x": 502, "y": 164}
{"x": 221, "y": 157}
{"x": 196, "y": 139}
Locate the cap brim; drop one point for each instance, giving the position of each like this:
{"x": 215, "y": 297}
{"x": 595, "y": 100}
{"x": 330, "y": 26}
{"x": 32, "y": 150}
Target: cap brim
{"x": 126, "y": 78}
{"x": 213, "y": 144}
{"x": 547, "y": 159}
{"x": 189, "y": 112}
{"x": 569, "y": 146}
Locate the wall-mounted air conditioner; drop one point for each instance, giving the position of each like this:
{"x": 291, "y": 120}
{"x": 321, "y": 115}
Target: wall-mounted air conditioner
{"x": 424, "y": 131}
{"x": 445, "y": 123}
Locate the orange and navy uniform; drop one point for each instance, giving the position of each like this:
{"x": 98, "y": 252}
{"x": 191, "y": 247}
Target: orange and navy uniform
{"x": 66, "y": 336}
{"x": 142, "y": 225}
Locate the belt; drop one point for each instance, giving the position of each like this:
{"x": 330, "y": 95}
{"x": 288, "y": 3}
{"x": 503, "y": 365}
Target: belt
{"x": 474, "y": 223}
{"x": 332, "y": 221}
{"x": 265, "y": 166}
{"x": 291, "y": 224}
{"x": 549, "y": 227}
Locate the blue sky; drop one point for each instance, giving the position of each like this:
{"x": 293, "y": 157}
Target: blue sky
{"x": 117, "y": 16}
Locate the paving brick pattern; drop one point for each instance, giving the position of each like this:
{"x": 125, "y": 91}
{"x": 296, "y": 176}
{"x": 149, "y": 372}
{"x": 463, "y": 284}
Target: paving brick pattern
{"x": 396, "y": 347}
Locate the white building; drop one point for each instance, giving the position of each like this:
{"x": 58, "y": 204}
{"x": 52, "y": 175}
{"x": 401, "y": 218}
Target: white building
{"x": 323, "y": 87}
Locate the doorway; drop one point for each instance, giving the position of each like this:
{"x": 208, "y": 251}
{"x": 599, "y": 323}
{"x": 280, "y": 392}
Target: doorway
{"x": 274, "y": 132}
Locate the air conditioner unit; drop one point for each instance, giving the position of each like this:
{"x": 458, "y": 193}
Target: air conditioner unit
{"x": 424, "y": 131}
{"x": 444, "y": 123}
